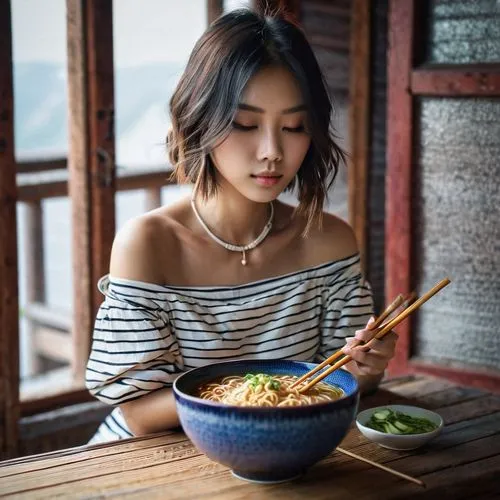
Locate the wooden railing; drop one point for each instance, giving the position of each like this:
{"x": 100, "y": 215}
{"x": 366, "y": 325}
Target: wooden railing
{"x": 47, "y": 328}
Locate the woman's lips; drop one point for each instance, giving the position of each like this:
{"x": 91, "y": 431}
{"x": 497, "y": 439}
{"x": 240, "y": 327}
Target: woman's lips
{"x": 266, "y": 180}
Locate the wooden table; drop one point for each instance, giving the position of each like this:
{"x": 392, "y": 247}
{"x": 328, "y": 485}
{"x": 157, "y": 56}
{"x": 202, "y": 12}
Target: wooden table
{"x": 463, "y": 462}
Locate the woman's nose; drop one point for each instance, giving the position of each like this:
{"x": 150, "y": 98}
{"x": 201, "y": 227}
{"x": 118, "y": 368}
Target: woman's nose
{"x": 270, "y": 147}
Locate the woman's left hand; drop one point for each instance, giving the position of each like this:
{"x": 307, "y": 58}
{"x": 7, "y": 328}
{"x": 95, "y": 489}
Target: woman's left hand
{"x": 371, "y": 358}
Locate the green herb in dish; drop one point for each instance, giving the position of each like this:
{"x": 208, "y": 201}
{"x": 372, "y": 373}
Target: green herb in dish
{"x": 395, "y": 422}
{"x": 261, "y": 379}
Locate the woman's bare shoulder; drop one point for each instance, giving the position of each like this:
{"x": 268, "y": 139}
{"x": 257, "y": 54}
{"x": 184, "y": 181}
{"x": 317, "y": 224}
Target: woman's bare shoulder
{"x": 333, "y": 241}
{"x": 141, "y": 242}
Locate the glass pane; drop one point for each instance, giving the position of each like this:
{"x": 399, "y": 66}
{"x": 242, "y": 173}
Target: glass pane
{"x": 147, "y": 68}
{"x": 44, "y": 225}
{"x": 457, "y": 230}
{"x": 463, "y": 32}
{"x": 39, "y": 54}
{"x": 236, "y": 4}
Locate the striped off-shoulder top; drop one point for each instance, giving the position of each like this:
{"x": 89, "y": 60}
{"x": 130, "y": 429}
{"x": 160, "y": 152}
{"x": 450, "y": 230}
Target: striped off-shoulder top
{"x": 146, "y": 334}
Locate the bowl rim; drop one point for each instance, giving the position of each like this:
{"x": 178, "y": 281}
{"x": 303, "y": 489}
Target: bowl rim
{"x": 178, "y": 393}
{"x": 397, "y": 406}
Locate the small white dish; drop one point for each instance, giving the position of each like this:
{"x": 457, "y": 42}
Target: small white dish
{"x": 399, "y": 441}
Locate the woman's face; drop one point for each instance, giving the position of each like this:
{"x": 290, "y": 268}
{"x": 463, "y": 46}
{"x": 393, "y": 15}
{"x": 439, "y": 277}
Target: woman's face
{"x": 268, "y": 140}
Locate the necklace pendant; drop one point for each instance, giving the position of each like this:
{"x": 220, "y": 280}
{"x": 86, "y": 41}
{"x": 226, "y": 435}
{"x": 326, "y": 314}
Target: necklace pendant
{"x": 237, "y": 248}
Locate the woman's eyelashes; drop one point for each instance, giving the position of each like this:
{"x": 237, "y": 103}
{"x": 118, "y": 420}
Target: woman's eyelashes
{"x": 300, "y": 128}
{"x": 246, "y": 128}
{"x": 239, "y": 126}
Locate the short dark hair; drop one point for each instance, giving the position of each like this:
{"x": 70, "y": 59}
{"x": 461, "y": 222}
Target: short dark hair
{"x": 233, "y": 49}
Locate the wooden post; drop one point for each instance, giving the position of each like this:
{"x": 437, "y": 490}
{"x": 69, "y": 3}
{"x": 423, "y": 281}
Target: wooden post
{"x": 214, "y": 10}
{"x": 359, "y": 122}
{"x": 398, "y": 174}
{"x": 153, "y": 198}
{"x": 35, "y": 283}
{"x": 293, "y": 7}
{"x": 9, "y": 307}
{"x": 91, "y": 160}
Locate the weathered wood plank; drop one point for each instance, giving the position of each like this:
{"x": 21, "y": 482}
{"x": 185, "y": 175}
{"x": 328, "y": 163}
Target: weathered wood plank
{"x": 34, "y": 273}
{"x": 41, "y": 165}
{"x": 91, "y": 161}
{"x": 79, "y": 454}
{"x": 69, "y": 393}
{"x": 459, "y": 82}
{"x": 9, "y": 307}
{"x": 450, "y": 396}
{"x": 214, "y": 10}
{"x": 101, "y": 126}
{"x": 106, "y": 465}
{"x": 79, "y": 183}
{"x": 389, "y": 382}
{"x": 467, "y": 430}
{"x": 399, "y": 159}
{"x": 421, "y": 386}
{"x": 470, "y": 409}
{"x": 359, "y": 106}
{"x": 53, "y": 344}
{"x": 34, "y": 187}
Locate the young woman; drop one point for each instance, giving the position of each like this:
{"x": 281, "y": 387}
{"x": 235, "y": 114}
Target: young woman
{"x": 232, "y": 272}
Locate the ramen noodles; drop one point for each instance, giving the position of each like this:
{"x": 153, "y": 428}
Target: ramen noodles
{"x": 265, "y": 390}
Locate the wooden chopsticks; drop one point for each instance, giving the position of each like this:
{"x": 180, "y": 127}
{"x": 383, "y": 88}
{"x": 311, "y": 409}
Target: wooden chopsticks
{"x": 380, "y": 466}
{"x": 397, "y": 302}
{"x": 379, "y": 333}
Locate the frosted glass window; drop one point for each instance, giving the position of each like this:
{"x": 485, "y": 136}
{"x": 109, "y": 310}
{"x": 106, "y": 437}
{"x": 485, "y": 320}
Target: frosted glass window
{"x": 463, "y": 31}
{"x": 457, "y": 195}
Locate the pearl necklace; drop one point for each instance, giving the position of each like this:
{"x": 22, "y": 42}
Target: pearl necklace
{"x": 237, "y": 248}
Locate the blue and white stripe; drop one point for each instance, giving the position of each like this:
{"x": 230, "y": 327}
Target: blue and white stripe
{"x": 146, "y": 335}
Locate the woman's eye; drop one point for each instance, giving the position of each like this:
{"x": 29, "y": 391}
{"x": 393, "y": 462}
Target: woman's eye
{"x": 300, "y": 128}
{"x": 239, "y": 126}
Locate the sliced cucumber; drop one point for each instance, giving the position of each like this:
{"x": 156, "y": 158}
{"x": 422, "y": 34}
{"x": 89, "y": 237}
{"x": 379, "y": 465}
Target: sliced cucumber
{"x": 382, "y": 415}
{"x": 395, "y": 422}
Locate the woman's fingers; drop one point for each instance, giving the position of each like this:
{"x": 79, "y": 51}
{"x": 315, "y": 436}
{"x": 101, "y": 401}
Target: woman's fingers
{"x": 374, "y": 356}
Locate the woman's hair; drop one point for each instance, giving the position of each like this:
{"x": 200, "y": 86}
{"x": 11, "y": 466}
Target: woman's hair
{"x": 233, "y": 49}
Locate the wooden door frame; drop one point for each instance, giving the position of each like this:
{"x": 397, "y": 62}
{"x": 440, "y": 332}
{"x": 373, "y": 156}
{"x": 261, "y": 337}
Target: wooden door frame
{"x": 359, "y": 123}
{"x": 405, "y": 81}
{"x": 9, "y": 305}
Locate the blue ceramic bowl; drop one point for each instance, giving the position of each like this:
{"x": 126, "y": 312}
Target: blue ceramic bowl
{"x": 264, "y": 444}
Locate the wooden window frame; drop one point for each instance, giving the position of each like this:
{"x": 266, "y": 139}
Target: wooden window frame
{"x": 91, "y": 186}
{"x": 405, "y": 82}
{"x": 359, "y": 123}
{"x": 9, "y": 305}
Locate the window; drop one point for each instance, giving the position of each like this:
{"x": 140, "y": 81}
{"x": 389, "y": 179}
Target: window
{"x": 146, "y": 69}
{"x": 442, "y": 170}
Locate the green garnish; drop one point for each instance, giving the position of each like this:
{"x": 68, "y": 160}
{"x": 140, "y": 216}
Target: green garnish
{"x": 395, "y": 422}
{"x": 261, "y": 379}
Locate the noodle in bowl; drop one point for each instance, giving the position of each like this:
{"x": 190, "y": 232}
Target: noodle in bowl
{"x": 264, "y": 390}
{"x": 243, "y": 415}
